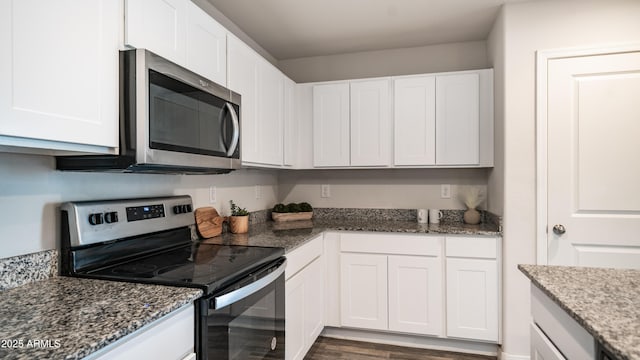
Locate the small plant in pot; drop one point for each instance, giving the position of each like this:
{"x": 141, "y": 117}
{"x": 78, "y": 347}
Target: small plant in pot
{"x": 292, "y": 212}
{"x": 239, "y": 219}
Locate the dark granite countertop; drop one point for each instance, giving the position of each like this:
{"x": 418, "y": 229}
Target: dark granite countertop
{"x": 606, "y": 302}
{"x": 290, "y": 235}
{"x": 79, "y": 316}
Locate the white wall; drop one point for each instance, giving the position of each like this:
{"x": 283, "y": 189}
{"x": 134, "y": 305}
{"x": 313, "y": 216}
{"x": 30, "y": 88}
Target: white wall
{"x": 404, "y": 61}
{"x": 384, "y": 189}
{"x": 31, "y": 190}
{"x": 528, "y": 27}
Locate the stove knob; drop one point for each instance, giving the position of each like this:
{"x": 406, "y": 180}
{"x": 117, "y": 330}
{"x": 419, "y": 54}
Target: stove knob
{"x": 95, "y": 219}
{"x": 177, "y": 209}
{"x": 189, "y": 209}
{"x": 111, "y": 217}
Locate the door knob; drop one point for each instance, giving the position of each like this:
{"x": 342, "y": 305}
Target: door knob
{"x": 559, "y": 229}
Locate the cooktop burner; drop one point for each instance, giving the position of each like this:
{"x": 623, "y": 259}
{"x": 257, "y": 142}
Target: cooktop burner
{"x": 206, "y": 266}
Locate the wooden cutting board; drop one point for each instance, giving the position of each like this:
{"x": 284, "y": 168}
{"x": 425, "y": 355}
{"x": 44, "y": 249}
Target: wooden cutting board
{"x": 208, "y": 222}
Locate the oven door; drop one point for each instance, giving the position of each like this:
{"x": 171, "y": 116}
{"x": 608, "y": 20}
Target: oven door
{"x": 246, "y": 320}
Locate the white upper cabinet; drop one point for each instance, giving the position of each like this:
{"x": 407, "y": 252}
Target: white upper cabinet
{"x": 261, "y": 87}
{"x": 206, "y": 45}
{"x": 243, "y": 77}
{"x": 370, "y": 123}
{"x": 290, "y": 124}
{"x": 270, "y": 114}
{"x": 179, "y": 31}
{"x": 159, "y": 26}
{"x": 352, "y": 124}
{"x": 59, "y": 75}
{"x": 331, "y": 125}
{"x": 439, "y": 120}
{"x": 458, "y": 119}
{"x": 444, "y": 120}
{"x": 415, "y": 121}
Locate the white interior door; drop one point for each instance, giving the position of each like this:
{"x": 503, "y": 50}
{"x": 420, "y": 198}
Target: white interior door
{"x": 593, "y": 134}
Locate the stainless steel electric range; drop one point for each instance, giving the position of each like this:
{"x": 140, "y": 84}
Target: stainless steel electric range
{"x": 241, "y": 315}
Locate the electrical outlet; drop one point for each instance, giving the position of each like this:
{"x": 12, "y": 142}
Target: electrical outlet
{"x": 445, "y": 191}
{"x": 258, "y": 192}
{"x": 326, "y": 191}
{"x": 212, "y": 194}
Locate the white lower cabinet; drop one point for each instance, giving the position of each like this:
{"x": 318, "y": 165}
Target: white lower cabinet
{"x": 472, "y": 288}
{"x": 169, "y": 338}
{"x": 556, "y": 335}
{"x": 393, "y": 283}
{"x": 541, "y": 347}
{"x": 304, "y": 289}
{"x": 415, "y": 294}
{"x": 363, "y": 290}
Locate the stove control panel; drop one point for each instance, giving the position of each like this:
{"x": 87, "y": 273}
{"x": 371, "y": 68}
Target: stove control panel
{"x": 91, "y": 222}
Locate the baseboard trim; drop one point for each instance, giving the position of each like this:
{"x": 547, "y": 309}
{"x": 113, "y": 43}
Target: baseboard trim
{"x": 505, "y": 356}
{"x": 423, "y": 342}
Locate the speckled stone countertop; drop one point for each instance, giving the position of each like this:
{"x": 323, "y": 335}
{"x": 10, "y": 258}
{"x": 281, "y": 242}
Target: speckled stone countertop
{"x": 606, "y": 302}
{"x": 286, "y": 236}
{"x": 75, "y": 317}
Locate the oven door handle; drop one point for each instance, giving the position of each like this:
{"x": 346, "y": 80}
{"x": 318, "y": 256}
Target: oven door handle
{"x": 239, "y": 294}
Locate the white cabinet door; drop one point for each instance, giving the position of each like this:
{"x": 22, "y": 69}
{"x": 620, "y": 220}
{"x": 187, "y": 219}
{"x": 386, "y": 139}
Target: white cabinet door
{"x": 415, "y": 295}
{"x": 458, "y": 119}
{"x": 370, "y": 123}
{"x": 59, "y": 73}
{"x": 294, "y": 317}
{"x": 243, "y": 78}
{"x": 415, "y": 121}
{"x": 270, "y": 114}
{"x": 159, "y": 26}
{"x": 331, "y": 125}
{"x": 169, "y": 338}
{"x": 261, "y": 87}
{"x": 472, "y": 298}
{"x": 206, "y": 45}
{"x": 290, "y": 124}
{"x": 314, "y": 302}
{"x": 304, "y": 305}
{"x": 363, "y": 290}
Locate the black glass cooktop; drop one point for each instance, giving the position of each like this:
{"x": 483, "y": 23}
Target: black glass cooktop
{"x": 206, "y": 266}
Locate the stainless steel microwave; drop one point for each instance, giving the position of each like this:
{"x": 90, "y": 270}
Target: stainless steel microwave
{"x": 171, "y": 121}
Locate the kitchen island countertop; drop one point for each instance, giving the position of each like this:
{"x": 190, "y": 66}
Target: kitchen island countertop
{"x": 606, "y": 302}
{"x": 70, "y": 318}
{"x": 282, "y": 235}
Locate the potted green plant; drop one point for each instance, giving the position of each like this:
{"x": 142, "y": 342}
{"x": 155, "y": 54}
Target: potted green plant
{"x": 292, "y": 212}
{"x": 239, "y": 219}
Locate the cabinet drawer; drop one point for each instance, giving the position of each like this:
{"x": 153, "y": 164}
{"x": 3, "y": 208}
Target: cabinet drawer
{"x": 570, "y": 338}
{"x": 542, "y": 347}
{"x": 302, "y": 256}
{"x": 396, "y": 244}
{"x": 471, "y": 247}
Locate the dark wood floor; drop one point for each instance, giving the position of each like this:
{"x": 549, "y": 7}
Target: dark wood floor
{"x": 335, "y": 349}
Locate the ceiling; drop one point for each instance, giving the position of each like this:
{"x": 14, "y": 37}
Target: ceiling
{"x": 300, "y": 28}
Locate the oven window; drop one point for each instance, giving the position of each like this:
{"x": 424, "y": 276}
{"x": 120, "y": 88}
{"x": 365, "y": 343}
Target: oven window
{"x": 252, "y": 328}
{"x": 185, "y": 119}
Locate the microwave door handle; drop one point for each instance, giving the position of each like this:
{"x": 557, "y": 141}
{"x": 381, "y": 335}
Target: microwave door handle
{"x": 236, "y": 129}
{"x": 239, "y": 294}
